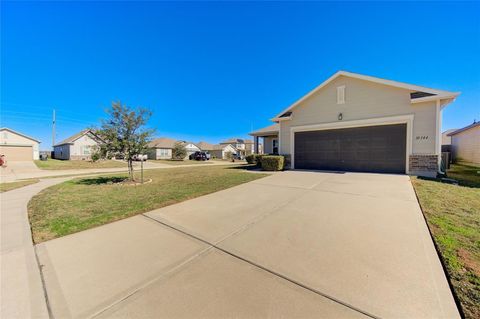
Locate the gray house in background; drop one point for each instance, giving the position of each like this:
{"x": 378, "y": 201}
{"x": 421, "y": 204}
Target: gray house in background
{"x": 77, "y": 147}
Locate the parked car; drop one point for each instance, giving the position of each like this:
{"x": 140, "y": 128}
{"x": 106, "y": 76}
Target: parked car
{"x": 199, "y": 156}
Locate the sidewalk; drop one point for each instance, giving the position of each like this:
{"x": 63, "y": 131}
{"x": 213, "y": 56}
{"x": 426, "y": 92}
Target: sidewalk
{"x": 21, "y": 286}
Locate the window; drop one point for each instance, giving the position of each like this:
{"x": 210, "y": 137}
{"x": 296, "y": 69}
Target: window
{"x": 275, "y": 146}
{"x": 86, "y": 150}
{"x": 341, "y": 94}
{"x": 163, "y": 152}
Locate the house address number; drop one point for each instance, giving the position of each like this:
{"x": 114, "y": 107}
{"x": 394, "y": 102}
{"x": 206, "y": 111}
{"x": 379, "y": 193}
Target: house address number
{"x": 422, "y": 137}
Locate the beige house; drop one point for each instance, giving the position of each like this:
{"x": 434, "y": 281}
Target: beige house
{"x": 446, "y": 138}
{"x": 17, "y": 146}
{"x": 161, "y": 148}
{"x": 269, "y": 136}
{"x": 354, "y": 122}
{"x": 220, "y": 151}
{"x": 77, "y": 147}
{"x": 466, "y": 143}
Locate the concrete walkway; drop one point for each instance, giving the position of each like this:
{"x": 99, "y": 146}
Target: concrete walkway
{"x": 22, "y": 294}
{"x": 26, "y": 170}
{"x": 294, "y": 244}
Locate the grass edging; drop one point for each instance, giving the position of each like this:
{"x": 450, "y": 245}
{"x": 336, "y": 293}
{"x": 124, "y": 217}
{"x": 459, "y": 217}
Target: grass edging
{"x": 440, "y": 257}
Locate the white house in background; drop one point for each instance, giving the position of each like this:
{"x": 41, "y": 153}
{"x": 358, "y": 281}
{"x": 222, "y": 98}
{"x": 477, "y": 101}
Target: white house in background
{"x": 17, "y": 146}
{"x": 466, "y": 143}
{"x": 77, "y": 147}
{"x": 244, "y": 147}
{"x": 161, "y": 148}
{"x": 218, "y": 150}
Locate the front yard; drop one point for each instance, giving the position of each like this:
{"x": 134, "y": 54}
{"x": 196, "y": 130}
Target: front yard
{"x": 184, "y": 162}
{"x": 5, "y": 187}
{"x": 54, "y": 164}
{"x": 84, "y": 203}
{"x": 453, "y": 216}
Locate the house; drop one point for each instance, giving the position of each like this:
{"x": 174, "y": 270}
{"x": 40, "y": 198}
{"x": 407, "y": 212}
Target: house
{"x": 466, "y": 143}
{"x": 446, "y": 138}
{"x": 17, "y": 146}
{"x": 161, "y": 148}
{"x": 79, "y": 146}
{"x": 244, "y": 147}
{"x": 218, "y": 150}
{"x": 354, "y": 122}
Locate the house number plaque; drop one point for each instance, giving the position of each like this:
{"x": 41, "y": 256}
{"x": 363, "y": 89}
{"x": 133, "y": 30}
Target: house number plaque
{"x": 421, "y": 137}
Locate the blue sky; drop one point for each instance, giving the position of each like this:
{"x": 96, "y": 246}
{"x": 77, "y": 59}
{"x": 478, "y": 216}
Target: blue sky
{"x": 215, "y": 70}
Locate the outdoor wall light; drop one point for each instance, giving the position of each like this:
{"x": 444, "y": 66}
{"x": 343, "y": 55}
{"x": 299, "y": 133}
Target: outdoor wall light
{"x": 340, "y": 116}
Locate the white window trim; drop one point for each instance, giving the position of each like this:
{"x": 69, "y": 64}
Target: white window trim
{"x": 341, "y": 93}
{"x": 402, "y": 119}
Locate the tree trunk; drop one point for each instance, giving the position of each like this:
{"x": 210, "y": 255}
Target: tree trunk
{"x": 130, "y": 169}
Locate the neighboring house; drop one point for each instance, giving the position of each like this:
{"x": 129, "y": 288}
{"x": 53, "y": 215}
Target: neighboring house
{"x": 218, "y": 150}
{"x": 161, "y": 148}
{"x": 354, "y": 122}
{"x": 77, "y": 147}
{"x": 244, "y": 147}
{"x": 447, "y": 139}
{"x": 466, "y": 143}
{"x": 269, "y": 136}
{"x": 17, "y": 146}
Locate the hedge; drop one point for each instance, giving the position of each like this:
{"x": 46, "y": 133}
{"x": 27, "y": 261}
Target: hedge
{"x": 273, "y": 162}
{"x": 254, "y": 159}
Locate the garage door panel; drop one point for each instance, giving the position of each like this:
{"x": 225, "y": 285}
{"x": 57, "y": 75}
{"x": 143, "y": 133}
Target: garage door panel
{"x": 371, "y": 149}
{"x": 17, "y": 153}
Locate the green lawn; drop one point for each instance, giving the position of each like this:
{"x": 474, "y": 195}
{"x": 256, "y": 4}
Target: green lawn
{"x": 83, "y": 203}
{"x": 184, "y": 162}
{"x": 53, "y": 164}
{"x": 453, "y": 216}
{"x": 5, "y": 187}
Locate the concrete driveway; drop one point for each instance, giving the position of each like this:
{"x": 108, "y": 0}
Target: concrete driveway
{"x": 294, "y": 244}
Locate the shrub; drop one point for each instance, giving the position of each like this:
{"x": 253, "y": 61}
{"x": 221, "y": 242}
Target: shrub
{"x": 179, "y": 152}
{"x": 254, "y": 159}
{"x": 251, "y": 159}
{"x": 272, "y": 162}
{"x": 95, "y": 157}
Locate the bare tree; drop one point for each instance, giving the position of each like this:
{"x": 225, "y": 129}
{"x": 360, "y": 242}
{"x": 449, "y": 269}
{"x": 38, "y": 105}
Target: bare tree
{"x": 124, "y": 133}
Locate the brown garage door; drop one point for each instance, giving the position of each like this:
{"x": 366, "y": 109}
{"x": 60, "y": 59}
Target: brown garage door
{"x": 17, "y": 153}
{"x": 364, "y": 149}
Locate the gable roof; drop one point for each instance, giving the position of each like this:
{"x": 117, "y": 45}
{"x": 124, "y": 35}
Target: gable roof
{"x": 271, "y": 129}
{"x": 18, "y": 133}
{"x": 420, "y": 93}
{"x": 162, "y": 142}
{"x": 474, "y": 124}
{"x": 237, "y": 140}
{"x": 75, "y": 137}
{"x": 204, "y": 146}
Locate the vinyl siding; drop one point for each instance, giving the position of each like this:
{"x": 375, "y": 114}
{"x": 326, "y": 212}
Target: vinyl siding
{"x": 466, "y": 145}
{"x": 10, "y": 138}
{"x": 363, "y": 100}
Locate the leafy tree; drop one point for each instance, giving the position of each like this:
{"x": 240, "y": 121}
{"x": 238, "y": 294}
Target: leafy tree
{"x": 123, "y": 133}
{"x": 179, "y": 151}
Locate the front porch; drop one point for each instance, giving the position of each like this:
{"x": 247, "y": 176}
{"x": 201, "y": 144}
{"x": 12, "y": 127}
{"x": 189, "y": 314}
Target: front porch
{"x": 269, "y": 136}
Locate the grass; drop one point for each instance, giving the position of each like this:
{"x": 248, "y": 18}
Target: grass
{"x": 5, "y": 187}
{"x": 176, "y": 162}
{"x": 53, "y": 164}
{"x": 453, "y": 216}
{"x": 84, "y": 203}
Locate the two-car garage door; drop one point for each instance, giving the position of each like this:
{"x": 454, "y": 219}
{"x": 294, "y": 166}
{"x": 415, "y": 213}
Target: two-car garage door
{"x": 363, "y": 149}
{"x": 17, "y": 153}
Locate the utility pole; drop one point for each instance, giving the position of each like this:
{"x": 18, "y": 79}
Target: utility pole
{"x": 53, "y": 129}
